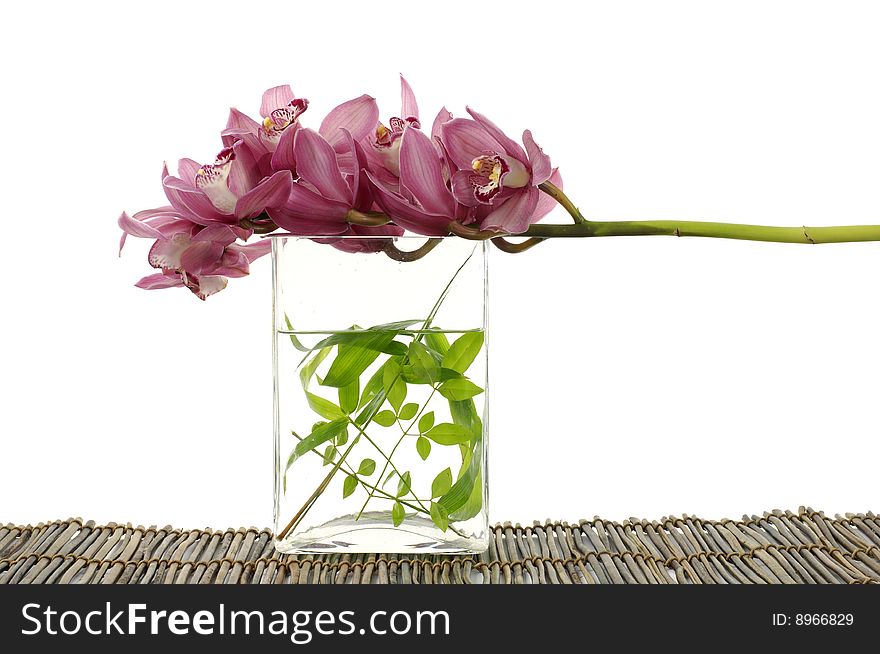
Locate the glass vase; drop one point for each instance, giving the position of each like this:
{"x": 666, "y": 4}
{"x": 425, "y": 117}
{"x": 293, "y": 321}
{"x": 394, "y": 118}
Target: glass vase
{"x": 380, "y": 394}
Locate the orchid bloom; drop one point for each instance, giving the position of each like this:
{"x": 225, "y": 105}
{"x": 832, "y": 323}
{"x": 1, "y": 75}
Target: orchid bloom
{"x": 424, "y": 204}
{"x": 386, "y": 140}
{"x": 201, "y": 261}
{"x": 495, "y": 175}
{"x": 226, "y": 191}
{"x": 347, "y": 178}
{"x": 328, "y": 190}
{"x": 271, "y": 140}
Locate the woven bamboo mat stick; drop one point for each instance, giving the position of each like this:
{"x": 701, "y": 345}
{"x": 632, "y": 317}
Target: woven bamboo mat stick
{"x": 778, "y": 547}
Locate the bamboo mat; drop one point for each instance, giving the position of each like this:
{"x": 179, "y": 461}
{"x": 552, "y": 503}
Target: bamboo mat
{"x": 776, "y": 548}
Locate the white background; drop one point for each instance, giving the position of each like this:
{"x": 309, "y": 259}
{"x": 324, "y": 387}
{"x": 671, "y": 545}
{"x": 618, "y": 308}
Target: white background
{"x": 630, "y": 377}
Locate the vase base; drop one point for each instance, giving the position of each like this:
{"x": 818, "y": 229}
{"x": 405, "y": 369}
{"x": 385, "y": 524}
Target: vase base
{"x": 369, "y": 535}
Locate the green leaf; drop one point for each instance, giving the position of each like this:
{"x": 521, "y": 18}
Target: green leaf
{"x": 342, "y": 438}
{"x": 464, "y": 413}
{"x": 440, "y": 516}
{"x": 463, "y": 351}
{"x": 307, "y": 371}
{"x": 367, "y": 467}
{"x": 348, "y": 396}
{"x": 397, "y": 514}
{"x": 395, "y": 348}
{"x": 349, "y": 364}
{"x": 423, "y": 447}
{"x": 437, "y": 341}
{"x": 324, "y": 408}
{"x": 388, "y": 478}
{"x": 321, "y": 433}
{"x": 329, "y": 455}
{"x": 459, "y": 389}
{"x": 462, "y": 489}
{"x": 385, "y": 418}
{"x": 404, "y": 485}
{"x": 373, "y": 387}
{"x": 442, "y": 483}
{"x": 446, "y": 374}
{"x": 408, "y": 411}
{"x": 349, "y": 485}
{"x": 426, "y": 422}
{"x": 422, "y": 368}
{"x": 397, "y": 326}
{"x": 447, "y": 433}
{"x": 474, "y": 503}
{"x": 374, "y": 338}
{"x": 393, "y": 383}
{"x": 293, "y": 339}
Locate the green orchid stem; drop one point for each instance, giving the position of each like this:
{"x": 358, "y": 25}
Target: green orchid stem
{"x": 407, "y": 256}
{"x": 804, "y": 235}
{"x": 370, "y": 487}
{"x": 556, "y": 193}
{"x": 316, "y": 494}
{"x": 586, "y": 228}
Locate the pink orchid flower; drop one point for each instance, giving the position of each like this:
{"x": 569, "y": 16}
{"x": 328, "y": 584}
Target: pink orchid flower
{"x": 329, "y": 188}
{"x": 271, "y": 140}
{"x": 202, "y": 260}
{"x": 494, "y": 174}
{"x": 227, "y": 191}
{"x": 423, "y": 202}
{"x": 385, "y": 142}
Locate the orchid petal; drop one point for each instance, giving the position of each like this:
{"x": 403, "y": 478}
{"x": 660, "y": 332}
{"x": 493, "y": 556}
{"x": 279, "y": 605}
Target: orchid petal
{"x": 540, "y": 162}
{"x": 317, "y": 164}
{"x": 159, "y": 280}
{"x": 283, "y": 158}
{"x": 463, "y": 189}
{"x": 208, "y": 285}
{"x": 359, "y": 116}
{"x": 307, "y": 212}
{"x": 232, "y": 264}
{"x": 217, "y": 233}
{"x": 129, "y": 225}
{"x": 545, "y": 202}
{"x": 275, "y": 98}
{"x": 187, "y": 169}
{"x": 243, "y": 171}
{"x": 191, "y": 202}
{"x": 514, "y": 215}
{"x": 465, "y": 140}
{"x": 137, "y": 228}
{"x": 443, "y": 116}
{"x": 253, "y": 251}
{"x": 200, "y": 256}
{"x": 239, "y": 121}
{"x": 158, "y": 212}
{"x": 406, "y": 215}
{"x": 351, "y": 160}
{"x": 409, "y": 108}
{"x": 166, "y": 252}
{"x": 271, "y": 192}
{"x": 510, "y": 146}
{"x": 421, "y": 171}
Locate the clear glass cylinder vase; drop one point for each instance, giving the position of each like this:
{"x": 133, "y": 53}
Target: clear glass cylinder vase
{"x": 381, "y": 394}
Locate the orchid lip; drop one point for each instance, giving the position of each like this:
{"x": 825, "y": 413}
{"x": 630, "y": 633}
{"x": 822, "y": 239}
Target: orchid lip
{"x": 282, "y": 118}
{"x": 212, "y": 180}
{"x": 486, "y": 178}
{"x": 386, "y": 137}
